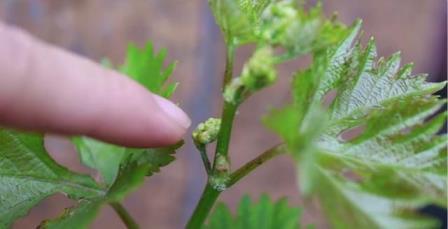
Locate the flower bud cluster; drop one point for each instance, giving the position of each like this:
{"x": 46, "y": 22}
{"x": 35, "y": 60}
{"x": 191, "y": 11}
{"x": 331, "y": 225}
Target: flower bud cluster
{"x": 207, "y": 131}
{"x": 260, "y": 71}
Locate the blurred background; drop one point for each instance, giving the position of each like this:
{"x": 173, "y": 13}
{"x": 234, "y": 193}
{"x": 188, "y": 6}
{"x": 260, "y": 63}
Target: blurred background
{"x": 103, "y": 28}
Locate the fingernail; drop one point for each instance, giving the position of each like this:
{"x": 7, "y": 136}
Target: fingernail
{"x": 173, "y": 112}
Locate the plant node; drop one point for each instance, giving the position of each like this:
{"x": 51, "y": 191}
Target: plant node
{"x": 221, "y": 173}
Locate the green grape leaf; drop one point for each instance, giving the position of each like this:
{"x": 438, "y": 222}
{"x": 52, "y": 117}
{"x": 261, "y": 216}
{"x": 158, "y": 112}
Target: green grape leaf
{"x": 300, "y": 141}
{"x": 396, "y": 163}
{"x": 81, "y": 215}
{"x": 138, "y": 164}
{"x": 239, "y": 20}
{"x": 104, "y": 157}
{"x": 108, "y": 158}
{"x": 276, "y": 23}
{"x": 29, "y": 175}
{"x": 297, "y": 30}
{"x": 263, "y": 214}
{"x": 146, "y": 67}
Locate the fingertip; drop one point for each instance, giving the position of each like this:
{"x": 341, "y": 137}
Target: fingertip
{"x": 148, "y": 120}
{"x": 173, "y": 112}
{"x": 166, "y": 125}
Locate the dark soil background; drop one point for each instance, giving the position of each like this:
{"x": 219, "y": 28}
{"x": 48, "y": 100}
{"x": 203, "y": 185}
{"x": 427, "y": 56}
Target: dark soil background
{"x": 102, "y": 28}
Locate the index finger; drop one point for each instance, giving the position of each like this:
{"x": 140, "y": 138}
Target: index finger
{"x": 44, "y": 88}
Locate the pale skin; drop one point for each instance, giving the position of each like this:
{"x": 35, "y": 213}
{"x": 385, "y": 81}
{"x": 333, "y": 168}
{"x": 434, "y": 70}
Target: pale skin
{"x": 46, "y": 89}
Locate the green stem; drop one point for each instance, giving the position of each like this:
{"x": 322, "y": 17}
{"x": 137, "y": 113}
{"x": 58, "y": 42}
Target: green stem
{"x": 210, "y": 195}
{"x": 208, "y": 198}
{"x": 203, "y": 151}
{"x": 124, "y": 216}
{"x": 229, "y": 66}
{"x": 228, "y": 114}
{"x": 228, "y": 110}
{"x": 252, "y": 165}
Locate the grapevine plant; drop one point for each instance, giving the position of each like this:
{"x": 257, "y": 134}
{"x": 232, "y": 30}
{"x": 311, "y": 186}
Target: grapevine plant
{"x": 378, "y": 178}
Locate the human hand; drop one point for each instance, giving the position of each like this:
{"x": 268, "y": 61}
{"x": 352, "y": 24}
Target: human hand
{"x": 43, "y": 88}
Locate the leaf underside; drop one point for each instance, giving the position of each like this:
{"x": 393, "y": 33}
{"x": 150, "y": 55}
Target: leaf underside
{"x": 28, "y": 175}
{"x": 378, "y": 157}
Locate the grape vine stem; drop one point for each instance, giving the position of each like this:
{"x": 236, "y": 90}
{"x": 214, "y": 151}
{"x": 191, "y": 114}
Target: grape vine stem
{"x": 124, "y": 215}
{"x": 252, "y": 165}
{"x": 210, "y": 193}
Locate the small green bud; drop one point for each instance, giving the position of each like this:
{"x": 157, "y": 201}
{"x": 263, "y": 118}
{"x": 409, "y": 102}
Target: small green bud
{"x": 235, "y": 92}
{"x": 207, "y": 131}
{"x": 260, "y": 71}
